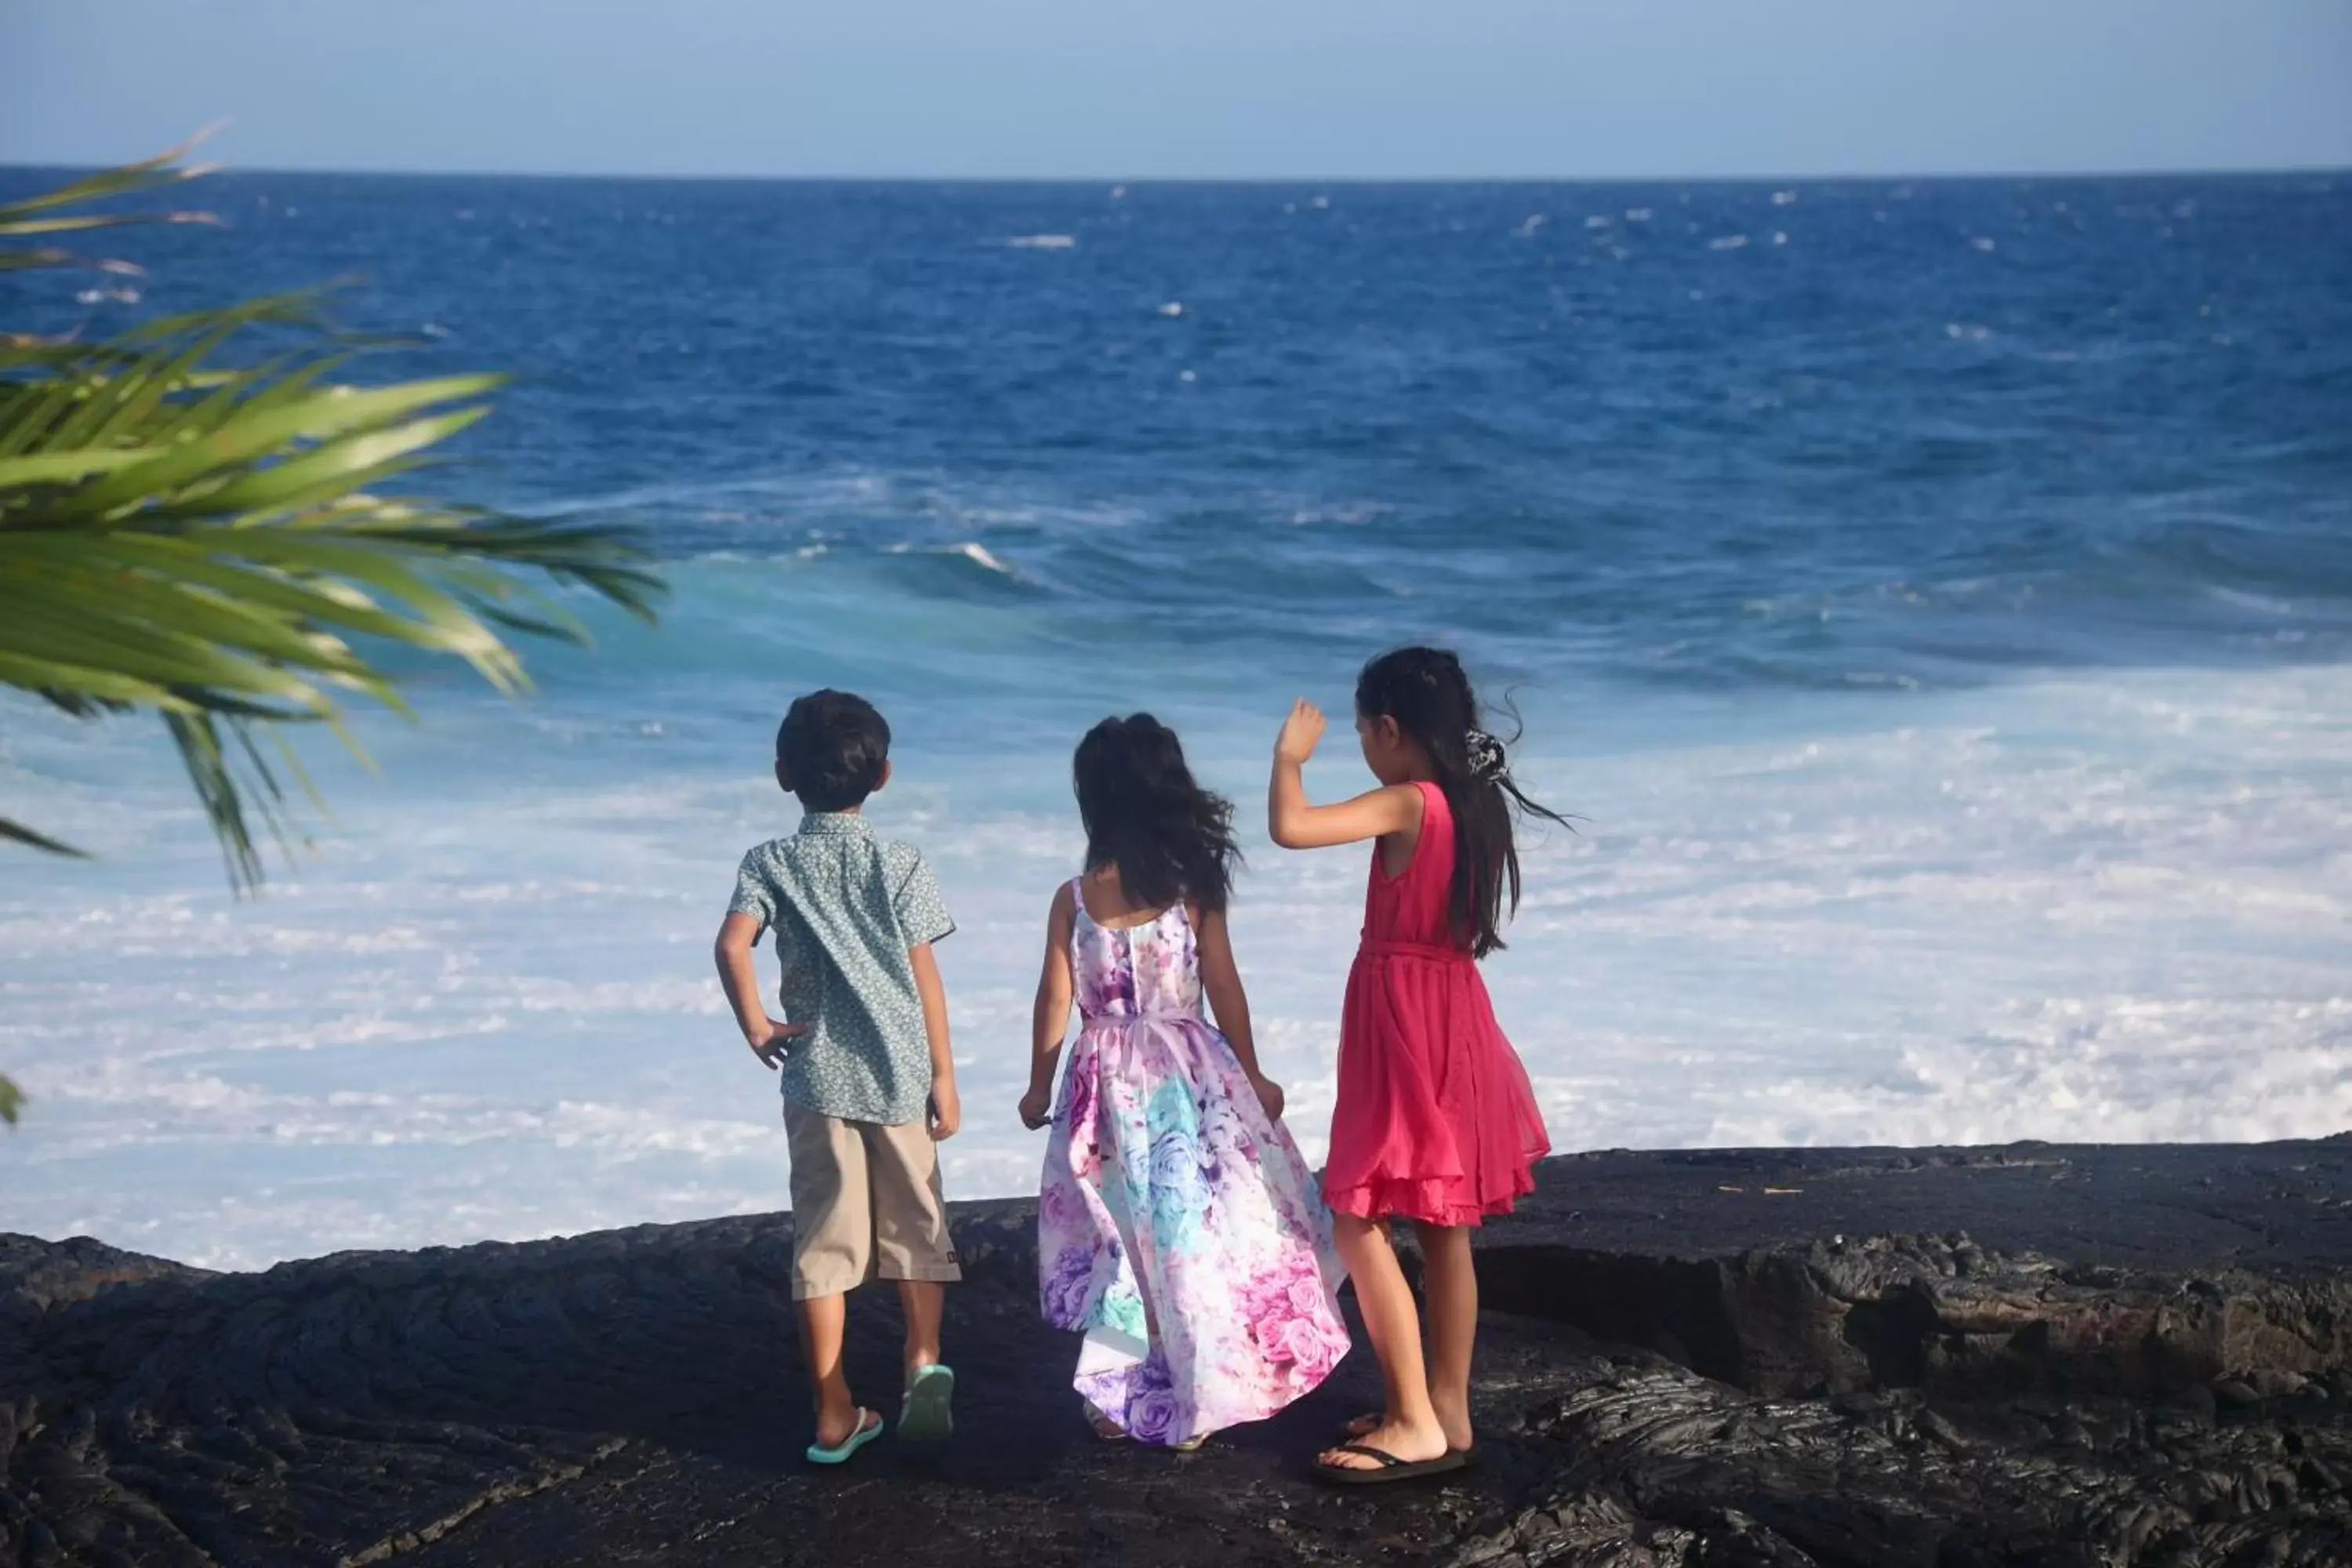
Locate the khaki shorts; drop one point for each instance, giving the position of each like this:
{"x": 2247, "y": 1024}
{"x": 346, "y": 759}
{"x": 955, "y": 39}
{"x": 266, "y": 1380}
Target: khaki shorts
{"x": 866, "y": 1204}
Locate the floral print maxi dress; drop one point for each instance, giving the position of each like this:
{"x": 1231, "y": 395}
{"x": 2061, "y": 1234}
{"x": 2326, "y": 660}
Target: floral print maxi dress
{"x": 1177, "y": 1227}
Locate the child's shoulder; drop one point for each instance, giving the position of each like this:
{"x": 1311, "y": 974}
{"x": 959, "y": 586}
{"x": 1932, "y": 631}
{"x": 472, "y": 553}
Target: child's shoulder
{"x": 899, "y": 854}
{"x": 1420, "y": 796}
{"x": 767, "y": 852}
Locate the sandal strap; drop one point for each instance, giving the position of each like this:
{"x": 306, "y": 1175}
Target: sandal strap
{"x": 1388, "y": 1461}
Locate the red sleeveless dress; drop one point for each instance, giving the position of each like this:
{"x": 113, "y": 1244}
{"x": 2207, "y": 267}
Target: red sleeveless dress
{"x": 1435, "y": 1120}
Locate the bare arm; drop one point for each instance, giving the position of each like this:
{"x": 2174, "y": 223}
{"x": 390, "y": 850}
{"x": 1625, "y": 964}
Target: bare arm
{"x": 947, "y": 1106}
{"x": 1392, "y": 811}
{"x": 1220, "y": 978}
{"x": 739, "y": 973}
{"x": 1050, "y": 1021}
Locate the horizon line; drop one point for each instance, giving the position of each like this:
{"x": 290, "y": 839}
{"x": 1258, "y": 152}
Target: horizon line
{"x": 2247, "y": 171}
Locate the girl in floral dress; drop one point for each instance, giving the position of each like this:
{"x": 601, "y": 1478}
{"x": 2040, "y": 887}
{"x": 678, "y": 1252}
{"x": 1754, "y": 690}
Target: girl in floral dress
{"x": 1178, "y": 1228}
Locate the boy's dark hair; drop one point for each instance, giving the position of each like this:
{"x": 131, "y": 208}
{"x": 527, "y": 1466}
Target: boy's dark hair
{"x": 1170, "y": 839}
{"x": 831, "y": 747}
{"x": 1427, "y": 692}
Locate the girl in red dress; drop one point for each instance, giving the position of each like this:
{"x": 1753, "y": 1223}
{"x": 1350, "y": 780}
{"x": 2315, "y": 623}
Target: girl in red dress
{"x": 1436, "y": 1121}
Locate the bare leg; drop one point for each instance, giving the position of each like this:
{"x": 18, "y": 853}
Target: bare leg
{"x": 1450, "y": 1285}
{"x": 922, "y": 1302}
{"x": 1409, "y": 1429}
{"x": 823, "y": 1320}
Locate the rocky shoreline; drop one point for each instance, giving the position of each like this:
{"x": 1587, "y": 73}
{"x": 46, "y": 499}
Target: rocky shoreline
{"x": 2033, "y": 1355}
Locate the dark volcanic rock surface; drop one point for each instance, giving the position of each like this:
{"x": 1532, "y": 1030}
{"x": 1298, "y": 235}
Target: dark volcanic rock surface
{"x": 2028, "y": 1355}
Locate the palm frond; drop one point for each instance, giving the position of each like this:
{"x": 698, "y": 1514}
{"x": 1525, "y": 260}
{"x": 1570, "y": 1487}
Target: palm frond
{"x": 51, "y": 211}
{"x": 199, "y": 527}
{"x": 202, "y": 518}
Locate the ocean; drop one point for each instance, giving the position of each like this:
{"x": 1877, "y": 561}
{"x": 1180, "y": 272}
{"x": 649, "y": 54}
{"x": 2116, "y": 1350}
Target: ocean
{"x": 1934, "y": 600}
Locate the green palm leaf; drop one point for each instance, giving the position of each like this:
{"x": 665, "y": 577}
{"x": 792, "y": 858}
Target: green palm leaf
{"x": 200, "y": 518}
{"x": 197, "y": 528}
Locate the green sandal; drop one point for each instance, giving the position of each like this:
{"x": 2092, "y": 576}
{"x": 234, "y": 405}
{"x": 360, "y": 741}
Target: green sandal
{"x": 928, "y": 1415}
{"x": 869, "y": 1426}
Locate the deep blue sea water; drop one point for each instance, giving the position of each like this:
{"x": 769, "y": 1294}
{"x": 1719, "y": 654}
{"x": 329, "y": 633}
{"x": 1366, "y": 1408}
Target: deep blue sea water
{"x": 1935, "y": 598}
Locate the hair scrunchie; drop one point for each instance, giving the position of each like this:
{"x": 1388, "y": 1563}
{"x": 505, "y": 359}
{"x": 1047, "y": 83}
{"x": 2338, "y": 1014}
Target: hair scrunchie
{"x": 1487, "y": 762}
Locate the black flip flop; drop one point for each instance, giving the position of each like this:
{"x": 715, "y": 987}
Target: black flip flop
{"x": 1366, "y": 1425}
{"x": 1391, "y": 1468}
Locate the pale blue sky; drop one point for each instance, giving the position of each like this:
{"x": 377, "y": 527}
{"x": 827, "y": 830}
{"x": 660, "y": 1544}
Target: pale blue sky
{"x": 1216, "y": 88}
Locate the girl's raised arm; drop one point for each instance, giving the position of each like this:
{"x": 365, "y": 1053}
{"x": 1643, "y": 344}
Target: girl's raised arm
{"x": 1295, "y": 825}
{"x": 1050, "y": 1023}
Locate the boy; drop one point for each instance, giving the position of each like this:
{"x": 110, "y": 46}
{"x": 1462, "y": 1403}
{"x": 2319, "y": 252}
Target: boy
{"x": 868, "y": 1086}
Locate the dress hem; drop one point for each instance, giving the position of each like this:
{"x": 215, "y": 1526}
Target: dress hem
{"x": 1386, "y": 1197}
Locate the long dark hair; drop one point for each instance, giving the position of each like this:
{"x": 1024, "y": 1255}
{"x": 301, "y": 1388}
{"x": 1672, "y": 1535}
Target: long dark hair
{"x": 1425, "y": 691}
{"x": 1170, "y": 839}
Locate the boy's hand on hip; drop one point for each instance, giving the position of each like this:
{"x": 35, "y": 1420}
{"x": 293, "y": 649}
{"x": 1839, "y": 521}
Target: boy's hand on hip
{"x": 772, "y": 1047}
{"x": 1300, "y": 732}
{"x": 946, "y": 1112}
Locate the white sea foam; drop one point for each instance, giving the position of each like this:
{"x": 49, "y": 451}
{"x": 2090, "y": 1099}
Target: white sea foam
{"x": 969, "y": 550}
{"x": 1728, "y": 242}
{"x": 2117, "y": 907}
{"x": 1042, "y": 242}
{"x": 2264, "y": 603}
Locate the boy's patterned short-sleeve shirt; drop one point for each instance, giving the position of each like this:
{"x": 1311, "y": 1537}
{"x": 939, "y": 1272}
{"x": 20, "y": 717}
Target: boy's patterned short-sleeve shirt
{"x": 846, "y": 906}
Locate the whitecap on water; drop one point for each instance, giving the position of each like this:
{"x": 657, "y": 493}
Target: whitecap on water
{"x": 971, "y": 550}
{"x": 2260, "y": 603}
{"x": 2106, "y": 908}
{"x": 1042, "y": 242}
